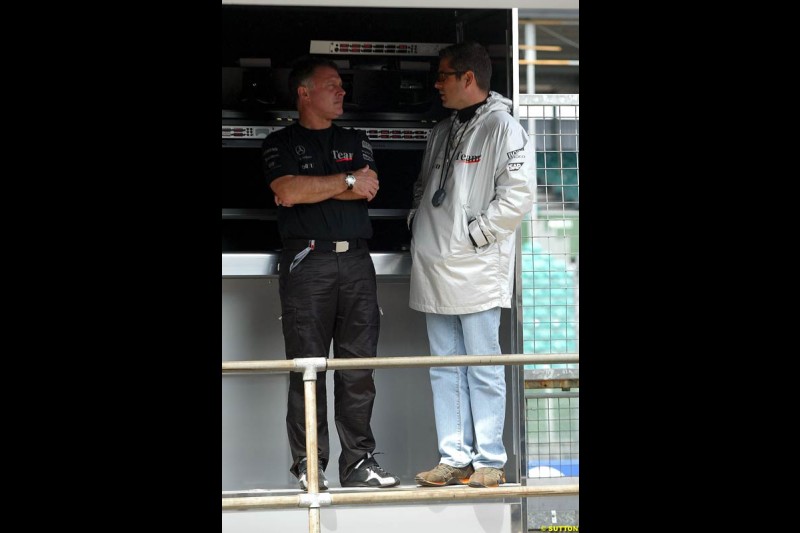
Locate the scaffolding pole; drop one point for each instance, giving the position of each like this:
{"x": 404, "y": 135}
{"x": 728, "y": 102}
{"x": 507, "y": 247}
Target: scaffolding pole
{"x": 428, "y": 494}
{"x": 231, "y": 367}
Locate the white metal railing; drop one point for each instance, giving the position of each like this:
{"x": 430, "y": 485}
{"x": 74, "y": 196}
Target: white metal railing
{"x": 313, "y": 500}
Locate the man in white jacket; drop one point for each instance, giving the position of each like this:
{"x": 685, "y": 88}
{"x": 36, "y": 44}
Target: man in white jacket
{"x": 476, "y": 184}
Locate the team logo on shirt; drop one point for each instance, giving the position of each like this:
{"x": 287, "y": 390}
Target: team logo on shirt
{"x": 341, "y": 157}
{"x": 300, "y": 149}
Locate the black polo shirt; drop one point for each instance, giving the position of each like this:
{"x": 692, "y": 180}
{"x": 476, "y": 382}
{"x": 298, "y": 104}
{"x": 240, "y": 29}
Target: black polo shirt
{"x": 298, "y": 150}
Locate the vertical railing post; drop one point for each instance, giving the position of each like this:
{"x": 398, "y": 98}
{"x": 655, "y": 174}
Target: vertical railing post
{"x": 312, "y": 461}
{"x": 310, "y": 368}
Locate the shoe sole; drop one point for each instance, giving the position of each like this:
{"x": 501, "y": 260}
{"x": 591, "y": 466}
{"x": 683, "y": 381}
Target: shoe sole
{"x": 477, "y": 485}
{"x": 359, "y": 484}
{"x": 454, "y": 481}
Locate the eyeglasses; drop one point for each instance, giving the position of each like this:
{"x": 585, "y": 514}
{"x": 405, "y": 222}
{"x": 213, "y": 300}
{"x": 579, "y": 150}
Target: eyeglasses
{"x": 441, "y": 76}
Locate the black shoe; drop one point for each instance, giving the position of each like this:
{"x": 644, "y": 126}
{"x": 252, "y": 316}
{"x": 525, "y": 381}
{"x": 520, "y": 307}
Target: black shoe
{"x": 368, "y": 473}
{"x": 302, "y": 468}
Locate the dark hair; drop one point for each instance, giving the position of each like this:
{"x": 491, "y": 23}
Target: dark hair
{"x": 470, "y": 56}
{"x": 303, "y": 68}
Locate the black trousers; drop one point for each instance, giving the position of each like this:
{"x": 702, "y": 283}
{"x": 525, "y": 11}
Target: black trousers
{"x": 331, "y": 297}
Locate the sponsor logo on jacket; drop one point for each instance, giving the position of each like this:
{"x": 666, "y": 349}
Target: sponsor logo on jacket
{"x": 513, "y": 167}
{"x": 516, "y": 154}
{"x": 468, "y": 159}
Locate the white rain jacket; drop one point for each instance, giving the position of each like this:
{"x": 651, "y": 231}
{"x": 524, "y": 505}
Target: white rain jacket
{"x": 490, "y": 187}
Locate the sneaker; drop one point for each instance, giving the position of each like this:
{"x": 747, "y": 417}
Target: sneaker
{"x": 303, "y": 478}
{"x": 368, "y": 473}
{"x": 487, "y": 477}
{"x": 445, "y": 475}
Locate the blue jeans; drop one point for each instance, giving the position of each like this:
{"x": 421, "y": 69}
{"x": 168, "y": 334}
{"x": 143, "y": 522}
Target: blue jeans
{"x": 469, "y": 402}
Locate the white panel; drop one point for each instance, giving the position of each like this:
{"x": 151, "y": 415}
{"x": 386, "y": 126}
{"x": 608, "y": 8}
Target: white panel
{"x": 463, "y": 518}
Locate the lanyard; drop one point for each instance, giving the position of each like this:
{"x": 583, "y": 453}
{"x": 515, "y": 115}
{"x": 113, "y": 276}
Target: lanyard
{"x": 438, "y": 196}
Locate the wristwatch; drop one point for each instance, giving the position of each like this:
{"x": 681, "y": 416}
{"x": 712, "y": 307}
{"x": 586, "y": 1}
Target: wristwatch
{"x": 350, "y": 180}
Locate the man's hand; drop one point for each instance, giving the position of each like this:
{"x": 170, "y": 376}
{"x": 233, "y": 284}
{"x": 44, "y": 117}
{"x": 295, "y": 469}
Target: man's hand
{"x": 279, "y": 202}
{"x": 366, "y": 183}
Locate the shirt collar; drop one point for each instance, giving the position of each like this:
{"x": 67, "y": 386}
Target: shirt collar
{"x": 468, "y": 112}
